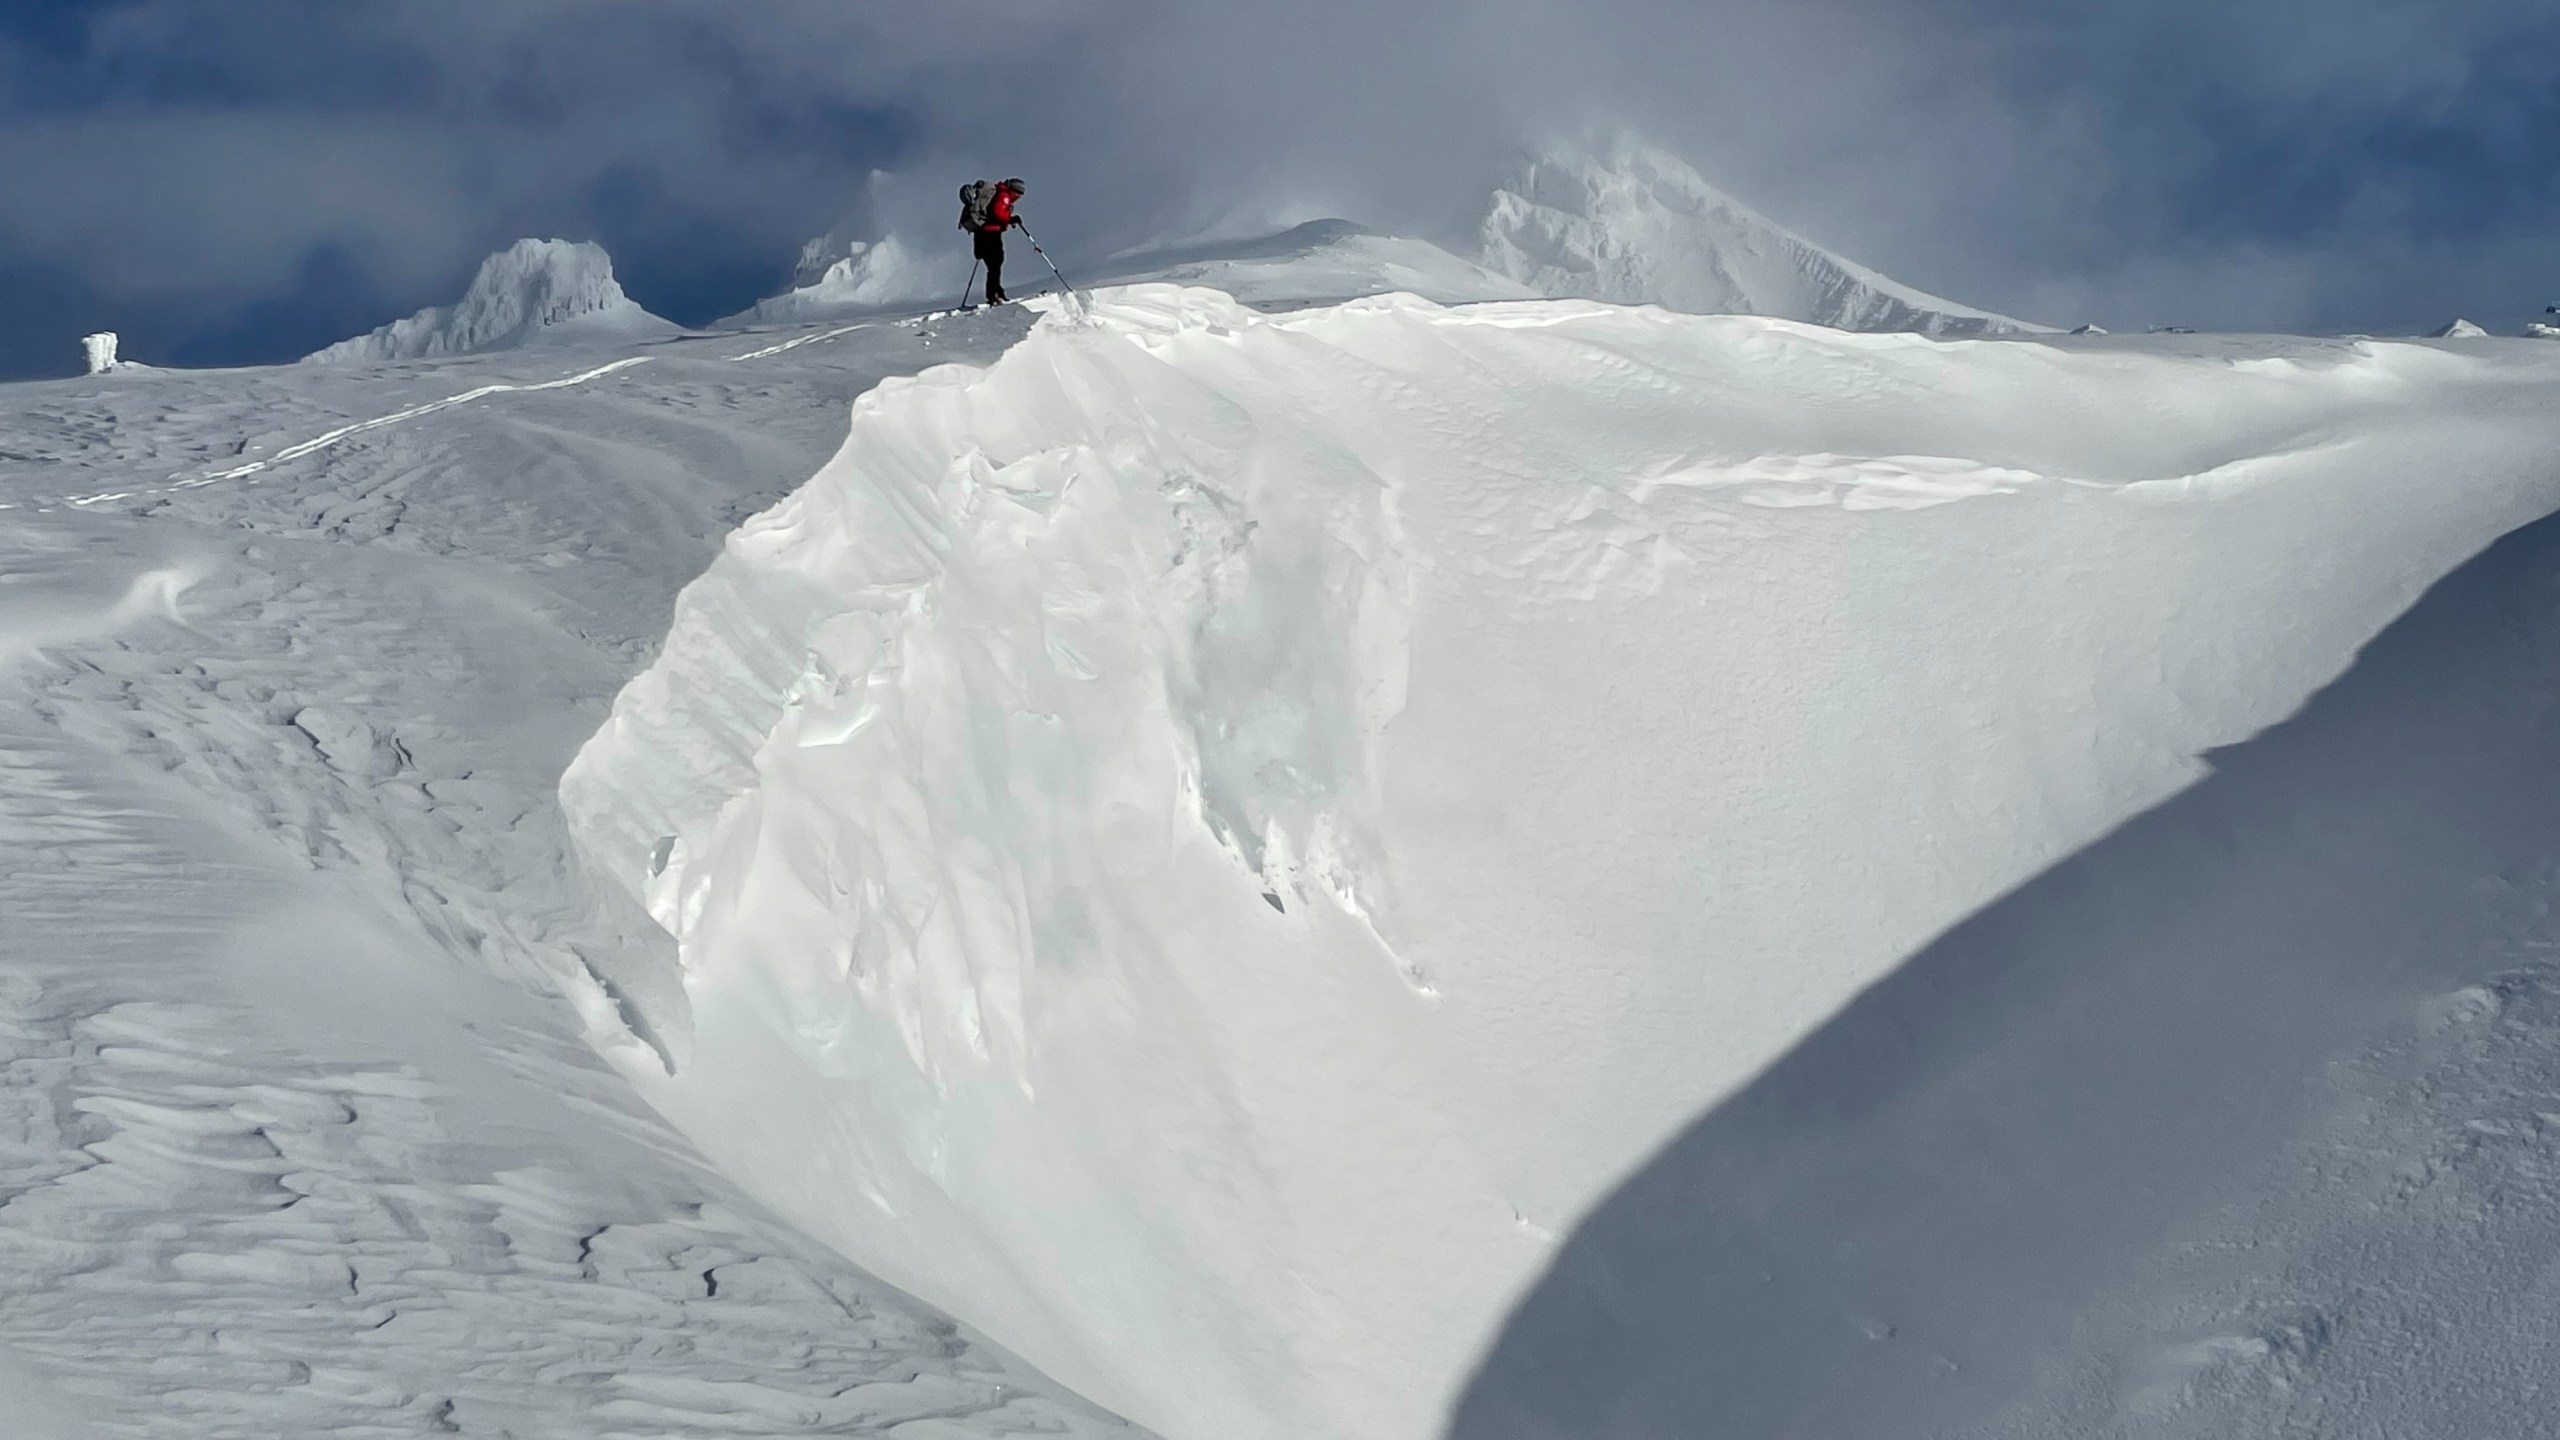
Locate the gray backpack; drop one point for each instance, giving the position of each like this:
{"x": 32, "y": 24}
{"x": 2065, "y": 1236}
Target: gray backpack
{"x": 975, "y": 198}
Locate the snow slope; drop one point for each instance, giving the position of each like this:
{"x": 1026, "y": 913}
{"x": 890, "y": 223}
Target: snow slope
{"x": 546, "y": 290}
{"x": 1624, "y": 221}
{"x": 303, "y": 1126}
{"x": 2237, "y": 1122}
{"x": 1208, "y": 845}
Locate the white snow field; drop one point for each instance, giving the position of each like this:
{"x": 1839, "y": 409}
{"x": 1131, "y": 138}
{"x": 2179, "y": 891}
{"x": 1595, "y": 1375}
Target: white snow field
{"x": 1619, "y": 219}
{"x": 1211, "y": 845}
{"x": 1523, "y": 869}
{"x": 534, "y": 291}
{"x": 301, "y": 1130}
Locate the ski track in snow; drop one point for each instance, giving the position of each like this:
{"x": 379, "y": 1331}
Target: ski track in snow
{"x": 301, "y": 1128}
{"x": 323, "y": 442}
{"x": 331, "y": 438}
{"x": 342, "y": 433}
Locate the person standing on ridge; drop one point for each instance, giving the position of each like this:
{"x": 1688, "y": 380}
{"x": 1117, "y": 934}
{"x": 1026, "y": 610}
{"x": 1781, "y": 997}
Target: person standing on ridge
{"x": 999, "y": 218}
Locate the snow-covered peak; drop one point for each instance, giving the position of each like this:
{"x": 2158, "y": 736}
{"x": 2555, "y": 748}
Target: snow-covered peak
{"x": 1627, "y": 222}
{"x": 2461, "y": 330}
{"x": 531, "y": 289}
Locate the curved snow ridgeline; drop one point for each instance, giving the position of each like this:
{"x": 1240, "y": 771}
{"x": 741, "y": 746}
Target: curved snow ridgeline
{"x": 1205, "y": 846}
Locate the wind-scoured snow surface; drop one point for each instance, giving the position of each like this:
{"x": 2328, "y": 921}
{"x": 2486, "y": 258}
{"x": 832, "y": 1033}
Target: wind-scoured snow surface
{"x": 1210, "y": 845}
{"x": 534, "y": 289}
{"x": 303, "y": 1126}
{"x": 1627, "y": 222}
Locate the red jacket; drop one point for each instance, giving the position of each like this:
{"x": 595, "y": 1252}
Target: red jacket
{"x": 1000, "y": 213}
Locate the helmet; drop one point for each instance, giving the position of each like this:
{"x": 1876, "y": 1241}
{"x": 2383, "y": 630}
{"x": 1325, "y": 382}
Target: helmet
{"x": 1013, "y": 185}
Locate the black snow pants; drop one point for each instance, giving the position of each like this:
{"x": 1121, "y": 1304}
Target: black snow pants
{"x": 991, "y": 254}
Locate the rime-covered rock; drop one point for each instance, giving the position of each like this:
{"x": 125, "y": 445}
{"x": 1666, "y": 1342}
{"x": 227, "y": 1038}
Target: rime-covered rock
{"x": 532, "y": 290}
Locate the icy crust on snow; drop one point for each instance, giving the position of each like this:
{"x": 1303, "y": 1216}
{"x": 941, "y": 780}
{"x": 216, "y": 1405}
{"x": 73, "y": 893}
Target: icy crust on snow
{"x": 1626, "y": 222}
{"x": 1204, "y": 846}
{"x": 532, "y": 289}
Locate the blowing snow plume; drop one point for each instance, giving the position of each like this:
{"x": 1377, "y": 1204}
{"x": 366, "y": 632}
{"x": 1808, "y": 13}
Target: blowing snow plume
{"x": 1625, "y": 221}
{"x": 1206, "y": 846}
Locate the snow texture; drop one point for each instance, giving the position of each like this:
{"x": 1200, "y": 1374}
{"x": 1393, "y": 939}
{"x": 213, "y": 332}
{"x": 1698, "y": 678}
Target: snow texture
{"x": 304, "y": 1129}
{"x": 2238, "y": 1122}
{"x": 1530, "y": 870}
{"x": 1621, "y": 220}
{"x": 534, "y": 290}
{"x": 1209, "y": 845}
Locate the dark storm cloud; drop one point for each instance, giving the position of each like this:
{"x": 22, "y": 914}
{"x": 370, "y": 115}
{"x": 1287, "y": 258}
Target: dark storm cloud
{"x": 194, "y": 165}
{"x": 2318, "y": 163}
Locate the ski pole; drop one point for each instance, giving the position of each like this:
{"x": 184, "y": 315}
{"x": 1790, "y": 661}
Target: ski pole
{"x": 969, "y": 285}
{"x": 1052, "y": 264}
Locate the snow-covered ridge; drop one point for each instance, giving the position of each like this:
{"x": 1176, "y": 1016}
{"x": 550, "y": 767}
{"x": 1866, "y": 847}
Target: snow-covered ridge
{"x": 1623, "y": 221}
{"x": 1321, "y": 261}
{"x": 1204, "y": 846}
{"x": 531, "y": 290}
{"x": 1318, "y": 262}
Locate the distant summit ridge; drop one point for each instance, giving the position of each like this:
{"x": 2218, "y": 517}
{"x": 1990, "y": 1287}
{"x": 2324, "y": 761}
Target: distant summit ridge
{"x": 522, "y": 293}
{"x": 1623, "y": 221}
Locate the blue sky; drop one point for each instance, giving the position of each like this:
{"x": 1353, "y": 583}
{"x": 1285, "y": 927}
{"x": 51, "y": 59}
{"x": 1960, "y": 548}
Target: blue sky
{"x": 236, "y": 181}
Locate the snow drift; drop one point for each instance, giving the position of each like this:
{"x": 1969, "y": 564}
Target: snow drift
{"x": 1627, "y": 222}
{"x": 1205, "y": 846}
{"x": 532, "y": 290}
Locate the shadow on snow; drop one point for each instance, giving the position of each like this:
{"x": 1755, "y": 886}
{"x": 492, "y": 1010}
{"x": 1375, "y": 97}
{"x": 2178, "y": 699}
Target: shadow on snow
{"x": 1907, "y": 1225}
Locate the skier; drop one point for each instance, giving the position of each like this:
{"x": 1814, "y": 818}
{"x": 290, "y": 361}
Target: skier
{"x": 988, "y": 236}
